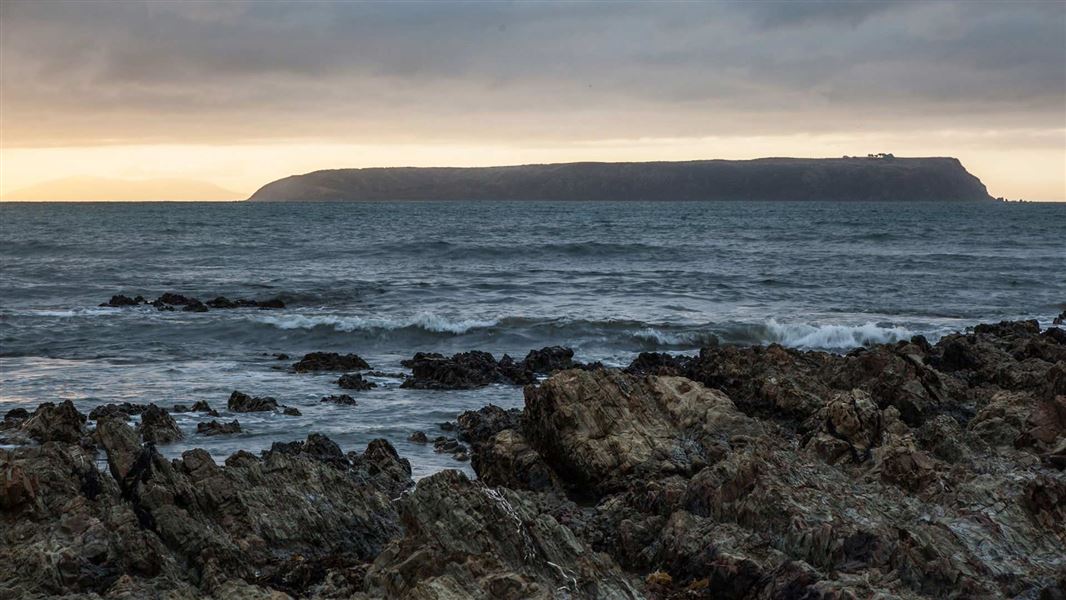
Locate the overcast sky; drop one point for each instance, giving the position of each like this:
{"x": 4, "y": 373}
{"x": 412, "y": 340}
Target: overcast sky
{"x": 242, "y": 93}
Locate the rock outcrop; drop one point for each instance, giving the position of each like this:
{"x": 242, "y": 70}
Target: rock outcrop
{"x": 330, "y": 361}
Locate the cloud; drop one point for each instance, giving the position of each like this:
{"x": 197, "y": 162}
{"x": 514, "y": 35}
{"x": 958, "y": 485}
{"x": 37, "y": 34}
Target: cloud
{"x": 169, "y": 72}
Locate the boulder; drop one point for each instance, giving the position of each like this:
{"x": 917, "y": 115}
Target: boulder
{"x": 55, "y": 423}
{"x": 465, "y": 370}
{"x": 329, "y": 361}
{"x": 355, "y": 381}
{"x": 343, "y": 399}
{"x": 550, "y": 359}
{"x": 215, "y": 428}
{"x": 158, "y": 427}
{"x": 241, "y": 402}
{"x": 124, "y": 410}
{"x": 119, "y": 301}
{"x": 464, "y": 540}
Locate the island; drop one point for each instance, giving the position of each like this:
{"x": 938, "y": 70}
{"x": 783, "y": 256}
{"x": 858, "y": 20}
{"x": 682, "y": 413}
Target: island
{"x": 880, "y": 177}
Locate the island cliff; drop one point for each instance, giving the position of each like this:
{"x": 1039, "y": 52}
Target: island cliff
{"x": 856, "y": 179}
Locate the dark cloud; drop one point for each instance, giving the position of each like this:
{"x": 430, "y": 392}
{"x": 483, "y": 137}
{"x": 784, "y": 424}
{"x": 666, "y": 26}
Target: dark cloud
{"x": 90, "y": 71}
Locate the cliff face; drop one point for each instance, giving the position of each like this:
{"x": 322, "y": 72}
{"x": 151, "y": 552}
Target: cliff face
{"x": 857, "y": 179}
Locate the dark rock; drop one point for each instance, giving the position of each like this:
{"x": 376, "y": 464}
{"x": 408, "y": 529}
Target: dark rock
{"x": 465, "y": 370}
{"x": 658, "y": 363}
{"x": 419, "y": 437}
{"x": 271, "y": 303}
{"x": 344, "y": 399}
{"x": 291, "y": 411}
{"x": 281, "y": 356}
{"x": 518, "y": 373}
{"x": 240, "y": 402}
{"x": 120, "y": 300}
{"x": 222, "y": 302}
{"x": 355, "y": 381}
{"x": 55, "y": 423}
{"x": 158, "y": 427}
{"x": 1060, "y": 320}
{"x": 176, "y": 299}
{"x": 550, "y": 359}
{"x": 195, "y": 306}
{"x": 216, "y": 428}
{"x": 124, "y": 410}
{"x": 330, "y": 361}
{"x": 478, "y": 426}
{"x": 476, "y": 542}
{"x": 14, "y": 418}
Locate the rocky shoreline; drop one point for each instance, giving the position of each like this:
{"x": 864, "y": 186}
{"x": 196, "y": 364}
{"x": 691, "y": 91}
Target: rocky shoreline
{"x": 910, "y": 470}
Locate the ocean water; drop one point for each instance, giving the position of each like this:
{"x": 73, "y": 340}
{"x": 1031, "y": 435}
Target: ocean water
{"x": 386, "y": 280}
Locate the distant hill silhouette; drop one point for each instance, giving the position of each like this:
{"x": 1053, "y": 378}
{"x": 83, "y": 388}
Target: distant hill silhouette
{"x": 859, "y": 179}
{"x": 100, "y": 189}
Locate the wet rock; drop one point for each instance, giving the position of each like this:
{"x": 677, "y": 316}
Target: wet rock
{"x": 119, "y": 301}
{"x": 447, "y": 445}
{"x": 518, "y": 373}
{"x": 550, "y": 359}
{"x": 241, "y": 402}
{"x": 194, "y": 305}
{"x": 270, "y": 303}
{"x": 329, "y": 361}
{"x": 174, "y": 299}
{"x": 215, "y": 428}
{"x": 658, "y": 363}
{"x": 1060, "y": 319}
{"x": 463, "y": 540}
{"x": 507, "y": 459}
{"x": 14, "y": 418}
{"x": 291, "y": 411}
{"x": 55, "y": 423}
{"x": 355, "y": 381}
{"x": 343, "y": 399}
{"x": 465, "y": 370}
{"x": 158, "y": 427}
{"x": 419, "y": 437}
{"x": 222, "y": 302}
{"x": 477, "y": 426}
{"x": 124, "y": 410}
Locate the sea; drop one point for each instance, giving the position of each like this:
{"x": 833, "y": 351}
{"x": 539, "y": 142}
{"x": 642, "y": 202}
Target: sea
{"x": 388, "y": 279}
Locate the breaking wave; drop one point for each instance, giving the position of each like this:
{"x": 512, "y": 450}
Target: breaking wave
{"x": 833, "y": 337}
{"x": 425, "y": 321}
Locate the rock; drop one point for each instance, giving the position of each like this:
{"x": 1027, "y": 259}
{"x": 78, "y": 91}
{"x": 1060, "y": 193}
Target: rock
{"x": 215, "y": 428}
{"x": 158, "y": 427}
{"x": 14, "y": 418}
{"x": 463, "y": 540}
{"x": 240, "y": 402}
{"x": 550, "y": 359}
{"x": 119, "y": 301}
{"x": 222, "y": 302}
{"x": 658, "y": 363}
{"x": 447, "y": 445}
{"x": 419, "y": 437}
{"x": 291, "y": 411}
{"x": 344, "y": 399}
{"x": 172, "y": 299}
{"x": 55, "y": 423}
{"x": 195, "y": 306}
{"x": 271, "y": 303}
{"x": 477, "y": 426}
{"x": 330, "y": 361}
{"x": 465, "y": 370}
{"x": 281, "y": 356}
{"x": 507, "y": 459}
{"x": 846, "y": 428}
{"x": 124, "y": 410}
{"x": 355, "y": 381}
{"x": 1060, "y": 320}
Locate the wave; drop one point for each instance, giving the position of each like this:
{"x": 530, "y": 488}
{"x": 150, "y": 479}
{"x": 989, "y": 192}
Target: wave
{"x": 831, "y": 336}
{"x": 425, "y": 321}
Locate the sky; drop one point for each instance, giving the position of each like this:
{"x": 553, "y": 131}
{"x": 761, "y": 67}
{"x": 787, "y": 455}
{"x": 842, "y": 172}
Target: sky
{"x": 237, "y": 94}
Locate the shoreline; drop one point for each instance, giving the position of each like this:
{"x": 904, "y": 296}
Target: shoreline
{"x": 675, "y": 477}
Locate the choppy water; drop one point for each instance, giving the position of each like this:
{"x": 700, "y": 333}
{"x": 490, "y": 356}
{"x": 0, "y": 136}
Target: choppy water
{"x": 385, "y": 280}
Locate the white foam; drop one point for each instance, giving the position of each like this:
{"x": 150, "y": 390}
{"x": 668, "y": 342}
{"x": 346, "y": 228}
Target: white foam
{"x": 426, "y": 321}
{"x": 663, "y": 338}
{"x": 837, "y": 337}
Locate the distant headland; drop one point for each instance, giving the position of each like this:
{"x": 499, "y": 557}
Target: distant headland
{"x": 875, "y": 177}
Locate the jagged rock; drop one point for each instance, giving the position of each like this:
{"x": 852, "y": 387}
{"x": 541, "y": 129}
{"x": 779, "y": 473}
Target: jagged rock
{"x": 343, "y": 399}
{"x": 329, "y": 361}
{"x": 216, "y": 428}
{"x": 419, "y": 437}
{"x": 194, "y": 305}
{"x": 119, "y": 300}
{"x": 240, "y": 402}
{"x": 14, "y": 418}
{"x": 507, "y": 459}
{"x": 658, "y": 363}
{"x": 477, "y": 426}
{"x": 188, "y": 528}
{"x": 447, "y": 445}
{"x": 550, "y": 359}
{"x": 465, "y": 370}
{"x": 355, "y": 381}
{"x": 464, "y": 540}
{"x": 55, "y": 423}
{"x": 291, "y": 411}
{"x": 158, "y": 427}
{"x": 124, "y": 410}
{"x": 601, "y": 427}
{"x": 846, "y": 428}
